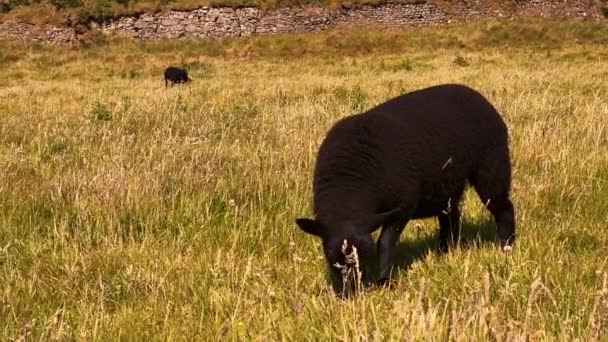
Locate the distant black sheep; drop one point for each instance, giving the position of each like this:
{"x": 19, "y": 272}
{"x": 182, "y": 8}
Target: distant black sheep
{"x": 408, "y": 158}
{"x": 176, "y": 75}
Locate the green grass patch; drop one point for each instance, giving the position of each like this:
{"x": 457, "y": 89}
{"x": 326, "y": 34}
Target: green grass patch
{"x": 133, "y": 211}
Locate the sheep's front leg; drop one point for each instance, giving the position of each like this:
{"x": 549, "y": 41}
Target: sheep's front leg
{"x": 449, "y": 229}
{"x": 386, "y": 247}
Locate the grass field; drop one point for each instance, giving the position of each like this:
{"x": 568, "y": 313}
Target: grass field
{"x": 134, "y": 211}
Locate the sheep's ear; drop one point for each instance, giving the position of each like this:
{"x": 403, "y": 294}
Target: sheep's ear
{"x": 382, "y": 218}
{"x": 311, "y": 227}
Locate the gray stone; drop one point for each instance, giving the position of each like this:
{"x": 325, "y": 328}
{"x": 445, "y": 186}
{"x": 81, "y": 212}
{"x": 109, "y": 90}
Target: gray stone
{"x": 168, "y": 22}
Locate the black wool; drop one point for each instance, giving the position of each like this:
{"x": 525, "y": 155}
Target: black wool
{"x": 409, "y": 158}
{"x": 175, "y": 75}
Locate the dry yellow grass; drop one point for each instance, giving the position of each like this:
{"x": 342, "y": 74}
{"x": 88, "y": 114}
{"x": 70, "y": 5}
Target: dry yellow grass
{"x": 130, "y": 210}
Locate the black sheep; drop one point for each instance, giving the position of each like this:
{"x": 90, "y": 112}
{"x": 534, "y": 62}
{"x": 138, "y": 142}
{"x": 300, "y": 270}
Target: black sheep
{"x": 408, "y": 158}
{"x": 176, "y": 75}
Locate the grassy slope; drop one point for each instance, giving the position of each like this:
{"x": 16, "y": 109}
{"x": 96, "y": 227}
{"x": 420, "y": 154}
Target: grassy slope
{"x": 131, "y": 210}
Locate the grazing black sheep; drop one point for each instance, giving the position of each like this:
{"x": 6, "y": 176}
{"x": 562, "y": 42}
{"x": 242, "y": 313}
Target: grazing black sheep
{"x": 176, "y": 75}
{"x": 408, "y": 158}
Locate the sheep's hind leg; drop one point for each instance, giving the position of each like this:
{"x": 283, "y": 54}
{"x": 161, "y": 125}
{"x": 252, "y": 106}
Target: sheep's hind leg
{"x": 502, "y": 210}
{"x": 386, "y": 247}
{"x": 492, "y": 183}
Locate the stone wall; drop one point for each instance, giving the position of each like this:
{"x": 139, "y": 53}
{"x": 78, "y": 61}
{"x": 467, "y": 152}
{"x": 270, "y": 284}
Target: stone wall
{"x": 244, "y": 22}
{"x": 571, "y": 9}
{"x": 44, "y": 34}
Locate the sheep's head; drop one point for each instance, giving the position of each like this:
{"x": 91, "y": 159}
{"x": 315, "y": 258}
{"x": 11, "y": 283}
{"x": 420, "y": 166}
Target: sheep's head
{"x": 349, "y": 250}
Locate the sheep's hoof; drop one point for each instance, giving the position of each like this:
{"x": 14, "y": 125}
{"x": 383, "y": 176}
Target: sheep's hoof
{"x": 507, "y": 248}
{"x": 383, "y": 282}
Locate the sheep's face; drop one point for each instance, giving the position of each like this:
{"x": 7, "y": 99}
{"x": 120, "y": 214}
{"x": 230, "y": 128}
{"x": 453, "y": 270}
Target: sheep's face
{"x": 349, "y": 249}
{"x": 351, "y": 256}
{"x": 351, "y": 261}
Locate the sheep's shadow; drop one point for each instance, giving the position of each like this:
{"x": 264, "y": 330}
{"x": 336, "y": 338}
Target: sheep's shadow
{"x": 471, "y": 234}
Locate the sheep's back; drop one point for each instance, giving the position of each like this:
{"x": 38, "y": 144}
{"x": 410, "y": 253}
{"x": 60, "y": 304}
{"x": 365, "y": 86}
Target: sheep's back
{"x": 426, "y": 143}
